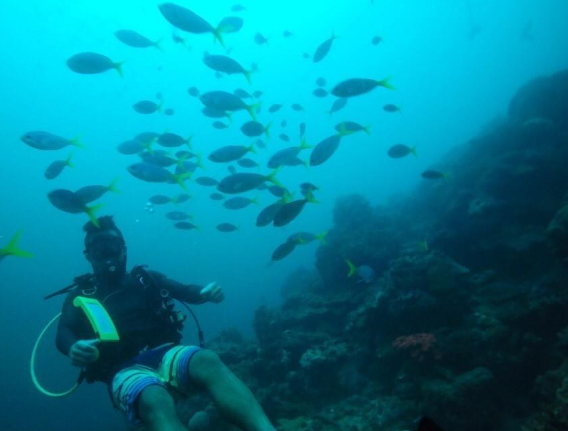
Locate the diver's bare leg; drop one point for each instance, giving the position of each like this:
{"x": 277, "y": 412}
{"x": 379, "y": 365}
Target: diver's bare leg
{"x": 157, "y": 410}
{"x": 233, "y": 399}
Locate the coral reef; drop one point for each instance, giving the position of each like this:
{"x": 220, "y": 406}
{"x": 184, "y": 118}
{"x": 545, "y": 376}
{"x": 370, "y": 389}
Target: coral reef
{"x": 469, "y": 326}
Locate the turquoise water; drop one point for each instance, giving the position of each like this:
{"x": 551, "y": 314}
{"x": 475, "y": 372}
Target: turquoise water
{"x": 448, "y": 84}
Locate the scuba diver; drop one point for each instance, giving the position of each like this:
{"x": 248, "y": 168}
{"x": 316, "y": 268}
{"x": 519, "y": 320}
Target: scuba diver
{"x": 148, "y": 368}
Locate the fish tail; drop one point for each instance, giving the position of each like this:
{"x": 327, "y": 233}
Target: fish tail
{"x": 181, "y": 178}
{"x": 299, "y": 239}
{"x": 267, "y": 130}
{"x": 272, "y": 177}
{"x": 310, "y": 198}
{"x": 386, "y": 83}
{"x": 12, "y": 248}
{"x": 90, "y": 211}
{"x": 188, "y": 141}
{"x": 287, "y": 197}
{"x": 118, "y": 67}
{"x": 413, "y": 151}
{"x": 321, "y": 237}
{"x": 251, "y": 149}
{"x": 255, "y": 200}
{"x": 248, "y": 75}
{"x": 218, "y": 34}
{"x": 158, "y": 44}
{"x": 306, "y": 164}
{"x": 112, "y": 186}
{"x": 304, "y": 145}
{"x": 446, "y": 176}
{"x": 68, "y": 161}
{"x": 200, "y": 161}
{"x": 423, "y": 244}
{"x": 352, "y": 268}
{"x": 160, "y": 106}
{"x": 251, "y": 110}
{"x": 76, "y": 141}
{"x": 367, "y": 130}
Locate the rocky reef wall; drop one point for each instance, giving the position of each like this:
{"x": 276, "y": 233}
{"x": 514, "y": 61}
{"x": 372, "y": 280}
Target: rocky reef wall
{"x": 467, "y": 317}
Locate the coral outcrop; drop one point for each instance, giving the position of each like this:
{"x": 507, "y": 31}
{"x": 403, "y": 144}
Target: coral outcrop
{"x": 467, "y": 319}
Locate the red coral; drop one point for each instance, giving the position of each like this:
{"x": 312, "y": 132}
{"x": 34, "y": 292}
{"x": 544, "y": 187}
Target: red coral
{"x": 419, "y": 345}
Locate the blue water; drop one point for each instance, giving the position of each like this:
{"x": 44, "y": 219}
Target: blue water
{"x": 448, "y": 85}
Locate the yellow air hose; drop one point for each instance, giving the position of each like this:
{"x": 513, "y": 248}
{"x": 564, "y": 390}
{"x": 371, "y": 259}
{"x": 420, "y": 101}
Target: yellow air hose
{"x": 32, "y": 365}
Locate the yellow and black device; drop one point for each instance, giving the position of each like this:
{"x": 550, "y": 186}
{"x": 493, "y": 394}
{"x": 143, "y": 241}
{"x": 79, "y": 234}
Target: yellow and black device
{"x": 102, "y": 325}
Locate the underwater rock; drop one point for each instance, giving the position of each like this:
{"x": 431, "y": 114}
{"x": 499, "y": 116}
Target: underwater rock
{"x": 326, "y": 355}
{"x": 362, "y": 235}
{"x": 545, "y": 97}
{"x": 557, "y": 232}
{"x": 464, "y": 401}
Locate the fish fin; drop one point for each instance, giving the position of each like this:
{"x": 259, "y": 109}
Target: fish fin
{"x": 68, "y": 161}
{"x": 118, "y": 68}
{"x": 272, "y": 177}
{"x": 321, "y": 237}
{"x": 218, "y": 34}
{"x": 252, "y": 108}
{"x": 367, "y": 130}
{"x": 112, "y": 186}
{"x": 386, "y": 83}
{"x": 343, "y": 131}
{"x": 287, "y": 197}
{"x": 188, "y": 141}
{"x": 158, "y": 44}
{"x": 251, "y": 149}
{"x": 423, "y": 245}
{"x": 76, "y": 141}
{"x": 304, "y": 145}
{"x": 90, "y": 211}
{"x": 248, "y": 75}
{"x": 12, "y": 248}
{"x": 310, "y": 198}
{"x": 352, "y": 268}
{"x": 267, "y": 130}
{"x": 200, "y": 160}
{"x": 181, "y": 178}
{"x": 413, "y": 151}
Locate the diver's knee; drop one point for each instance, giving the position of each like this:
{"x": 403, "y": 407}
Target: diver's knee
{"x": 203, "y": 364}
{"x": 155, "y": 403}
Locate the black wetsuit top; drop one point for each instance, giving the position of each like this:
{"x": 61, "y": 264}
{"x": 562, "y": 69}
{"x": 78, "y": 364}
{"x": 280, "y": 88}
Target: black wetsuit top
{"x": 134, "y": 316}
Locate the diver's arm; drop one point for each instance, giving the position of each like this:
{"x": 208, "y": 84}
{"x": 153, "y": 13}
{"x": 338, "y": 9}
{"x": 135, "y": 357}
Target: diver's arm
{"x": 190, "y": 293}
{"x": 69, "y": 320}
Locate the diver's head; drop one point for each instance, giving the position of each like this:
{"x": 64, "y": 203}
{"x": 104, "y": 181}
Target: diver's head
{"x": 105, "y": 249}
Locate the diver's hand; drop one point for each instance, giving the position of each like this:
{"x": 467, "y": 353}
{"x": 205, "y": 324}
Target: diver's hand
{"x": 84, "y": 352}
{"x": 212, "y": 293}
